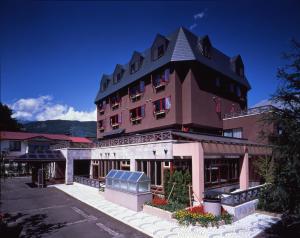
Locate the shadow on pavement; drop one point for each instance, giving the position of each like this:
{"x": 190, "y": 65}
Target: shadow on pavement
{"x": 24, "y": 225}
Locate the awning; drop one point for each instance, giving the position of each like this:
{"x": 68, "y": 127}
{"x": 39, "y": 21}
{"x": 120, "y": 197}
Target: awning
{"x": 220, "y": 145}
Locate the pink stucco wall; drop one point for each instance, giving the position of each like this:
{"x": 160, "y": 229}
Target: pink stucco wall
{"x": 194, "y": 150}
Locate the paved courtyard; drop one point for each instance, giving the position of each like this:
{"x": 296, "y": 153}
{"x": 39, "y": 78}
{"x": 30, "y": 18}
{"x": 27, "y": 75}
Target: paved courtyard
{"x": 49, "y": 212}
{"x": 249, "y": 226}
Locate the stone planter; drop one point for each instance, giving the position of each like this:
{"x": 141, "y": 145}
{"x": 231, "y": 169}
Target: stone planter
{"x": 155, "y": 211}
{"x": 212, "y": 206}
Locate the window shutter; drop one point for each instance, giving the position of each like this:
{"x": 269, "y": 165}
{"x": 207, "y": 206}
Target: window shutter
{"x": 143, "y": 111}
{"x": 168, "y": 103}
{"x": 142, "y": 86}
{"x": 120, "y": 118}
{"x": 167, "y": 75}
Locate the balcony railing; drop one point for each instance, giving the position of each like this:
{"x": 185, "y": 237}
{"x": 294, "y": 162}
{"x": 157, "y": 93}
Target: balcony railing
{"x": 138, "y": 138}
{"x": 250, "y": 111}
{"x": 236, "y": 198}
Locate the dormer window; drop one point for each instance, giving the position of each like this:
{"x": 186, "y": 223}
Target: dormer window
{"x": 159, "y": 47}
{"x": 104, "y": 84}
{"x": 135, "y": 62}
{"x": 133, "y": 68}
{"x": 241, "y": 71}
{"x": 205, "y": 46}
{"x": 119, "y": 77}
{"x": 160, "y": 51}
{"x": 238, "y": 65}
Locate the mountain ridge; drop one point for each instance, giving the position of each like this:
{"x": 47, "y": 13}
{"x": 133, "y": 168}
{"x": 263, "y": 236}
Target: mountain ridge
{"x": 72, "y": 128}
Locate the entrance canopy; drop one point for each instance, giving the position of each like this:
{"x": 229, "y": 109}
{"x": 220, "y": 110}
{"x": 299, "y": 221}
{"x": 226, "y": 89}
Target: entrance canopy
{"x": 41, "y": 156}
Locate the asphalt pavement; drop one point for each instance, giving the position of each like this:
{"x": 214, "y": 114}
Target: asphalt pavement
{"x": 49, "y": 212}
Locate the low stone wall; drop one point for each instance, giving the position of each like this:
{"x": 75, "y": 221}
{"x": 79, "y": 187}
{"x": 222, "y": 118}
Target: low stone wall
{"x": 155, "y": 211}
{"x": 242, "y": 210}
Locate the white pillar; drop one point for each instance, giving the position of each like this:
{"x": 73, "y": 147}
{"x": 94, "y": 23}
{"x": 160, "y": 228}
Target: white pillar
{"x": 69, "y": 171}
{"x": 91, "y": 169}
{"x": 132, "y": 164}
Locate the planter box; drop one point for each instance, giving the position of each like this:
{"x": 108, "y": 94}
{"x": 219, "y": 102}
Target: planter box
{"x": 155, "y": 211}
{"x": 242, "y": 210}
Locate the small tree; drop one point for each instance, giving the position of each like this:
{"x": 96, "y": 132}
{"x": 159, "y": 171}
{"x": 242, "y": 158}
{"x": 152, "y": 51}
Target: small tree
{"x": 177, "y": 186}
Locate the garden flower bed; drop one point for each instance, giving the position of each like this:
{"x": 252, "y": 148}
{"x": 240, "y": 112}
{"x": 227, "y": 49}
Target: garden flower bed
{"x": 197, "y": 216}
{"x": 171, "y": 210}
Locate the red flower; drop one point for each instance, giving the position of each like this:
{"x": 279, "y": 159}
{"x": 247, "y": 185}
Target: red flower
{"x": 197, "y": 209}
{"x": 159, "y": 201}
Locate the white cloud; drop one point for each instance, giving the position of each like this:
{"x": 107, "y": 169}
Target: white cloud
{"x": 43, "y": 108}
{"x": 193, "y": 26}
{"x": 197, "y": 17}
{"x": 200, "y": 15}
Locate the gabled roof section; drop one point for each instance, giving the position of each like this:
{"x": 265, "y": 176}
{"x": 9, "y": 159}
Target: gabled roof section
{"x": 183, "y": 45}
{"x": 182, "y": 49}
{"x": 237, "y": 59}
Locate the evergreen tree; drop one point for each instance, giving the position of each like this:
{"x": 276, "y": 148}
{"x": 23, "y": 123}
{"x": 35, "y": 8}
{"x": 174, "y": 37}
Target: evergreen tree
{"x": 283, "y": 195}
{"x": 7, "y": 123}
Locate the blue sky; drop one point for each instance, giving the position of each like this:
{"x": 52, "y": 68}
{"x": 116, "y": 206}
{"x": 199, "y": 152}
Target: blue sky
{"x": 53, "y": 53}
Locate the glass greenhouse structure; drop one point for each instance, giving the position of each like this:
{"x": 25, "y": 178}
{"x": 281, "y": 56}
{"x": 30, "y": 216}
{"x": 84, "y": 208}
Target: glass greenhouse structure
{"x": 128, "y": 181}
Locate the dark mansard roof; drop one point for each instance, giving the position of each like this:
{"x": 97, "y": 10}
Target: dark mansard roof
{"x": 181, "y": 45}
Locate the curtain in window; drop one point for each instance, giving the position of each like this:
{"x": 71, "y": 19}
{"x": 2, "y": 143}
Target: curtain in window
{"x": 167, "y": 75}
{"x": 228, "y": 133}
{"x": 168, "y": 103}
{"x": 237, "y": 133}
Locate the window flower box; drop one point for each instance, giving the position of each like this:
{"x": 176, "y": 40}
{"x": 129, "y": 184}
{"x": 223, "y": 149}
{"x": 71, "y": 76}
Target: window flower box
{"x": 135, "y": 97}
{"x": 101, "y": 111}
{"x": 115, "y": 125}
{"x": 115, "y": 105}
{"x": 135, "y": 120}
